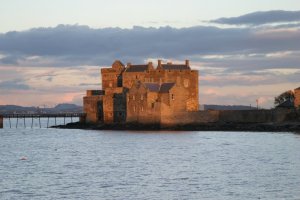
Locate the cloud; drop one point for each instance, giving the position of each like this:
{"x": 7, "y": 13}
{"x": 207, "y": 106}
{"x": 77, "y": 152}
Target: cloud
{"x": 51, "y": 62}
{"x": 249, "y": 79}
{"x": 14, "y": 85}
{"x": 90, "y": 84}
{"x": 9, "y": 60}
{"x": 259, "y": 18}
{"x": 67, "y": 45}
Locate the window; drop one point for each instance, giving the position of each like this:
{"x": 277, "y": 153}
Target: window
{"x": 142, "y": 97}
{"x": 186, "y": 83}
{"x": 173, "y": 97}
{"x": 133, "y": 97}
{"x": 110, "y": 84}
{"x": 134, "y": 108}
{"x": 152, "y": 105}
{"x": 136, "y": 77}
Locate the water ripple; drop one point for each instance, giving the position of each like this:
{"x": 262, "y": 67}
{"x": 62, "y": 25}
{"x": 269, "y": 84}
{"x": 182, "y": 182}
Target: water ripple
{"x": 77, "y": 164}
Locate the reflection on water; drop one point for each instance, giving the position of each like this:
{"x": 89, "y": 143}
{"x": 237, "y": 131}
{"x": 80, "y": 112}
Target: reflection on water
{"x": 77, "y": 164}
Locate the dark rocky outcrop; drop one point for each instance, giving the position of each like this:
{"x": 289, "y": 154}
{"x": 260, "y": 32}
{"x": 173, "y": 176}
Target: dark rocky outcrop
{"x": 255, "y": 127}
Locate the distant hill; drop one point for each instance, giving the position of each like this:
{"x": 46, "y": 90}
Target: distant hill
{"x": 228, "y": 107}
{"x": 57, "y": 109}
{"x": 13, "y": 108}
{"x": 67, "y": 106}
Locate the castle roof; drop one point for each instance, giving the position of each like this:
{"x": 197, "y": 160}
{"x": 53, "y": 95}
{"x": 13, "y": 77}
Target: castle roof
{"x": 118, "y": 62}
{"x": 137, "y": 68}
{"x": 286, "y": 104}
{"x": 153, "y": 87}
{"x": 156, "y": 87}
{"x": 175, "y": 67}
{"x": 165, "y": 87}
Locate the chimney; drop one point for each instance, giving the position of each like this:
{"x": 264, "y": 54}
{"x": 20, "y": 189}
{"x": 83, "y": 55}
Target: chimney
{"x": 187, "y": 63}
{"x": 159, "y": 63}
{"x": 150, "y": 66}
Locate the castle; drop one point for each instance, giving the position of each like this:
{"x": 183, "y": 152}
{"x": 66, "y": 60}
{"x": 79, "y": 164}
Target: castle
{"x": 143, "y": 94}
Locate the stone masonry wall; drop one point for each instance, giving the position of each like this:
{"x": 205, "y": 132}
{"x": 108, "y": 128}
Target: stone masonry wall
{"x": 92, "y": 107}
{"x": 297, "y": 98}
{"x": 180, "y": 118}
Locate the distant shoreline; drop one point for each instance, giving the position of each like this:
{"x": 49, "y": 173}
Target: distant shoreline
{"x": 255, "y": 127}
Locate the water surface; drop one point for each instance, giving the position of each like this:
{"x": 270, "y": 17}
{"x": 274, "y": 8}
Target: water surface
{"x": 79, "y": 164}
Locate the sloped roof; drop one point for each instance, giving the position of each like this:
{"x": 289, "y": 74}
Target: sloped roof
{"x": 286, "y": 104}
{"x": 175, "y": 67}
{"x": 118, "y": 62}
{"x": 165, "y": 87}
{"x": 153, "y": 87}
{"x": 137, "y": 68}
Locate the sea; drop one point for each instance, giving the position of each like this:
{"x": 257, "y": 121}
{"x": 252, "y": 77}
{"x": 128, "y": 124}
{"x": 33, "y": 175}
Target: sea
{"x": 47, "y": 163}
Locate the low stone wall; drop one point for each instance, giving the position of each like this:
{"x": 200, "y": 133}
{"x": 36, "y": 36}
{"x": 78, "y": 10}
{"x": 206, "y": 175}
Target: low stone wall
{"x": 232, "y": 116}
{"x": 258, "y": 116}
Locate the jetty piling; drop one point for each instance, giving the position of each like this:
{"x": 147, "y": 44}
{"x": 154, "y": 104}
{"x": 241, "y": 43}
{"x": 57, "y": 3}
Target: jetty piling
{"x": 1, "y": 122}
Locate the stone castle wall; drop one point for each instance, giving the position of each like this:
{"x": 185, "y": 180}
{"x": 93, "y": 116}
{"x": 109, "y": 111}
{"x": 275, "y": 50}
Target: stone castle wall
{"x": 181, "y": 118}
{"x": 297, "y": 98}
{"x": 92, "y": 106}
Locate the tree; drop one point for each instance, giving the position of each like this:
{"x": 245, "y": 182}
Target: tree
{"x": 287, "y": 95}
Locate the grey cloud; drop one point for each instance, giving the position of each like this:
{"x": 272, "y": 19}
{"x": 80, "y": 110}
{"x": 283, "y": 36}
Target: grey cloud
{"x": 80, "y": 45}
{"x": 49, "y": 79}
{"x": 248, "y": 79}
{"x": 9, "y": 60}
{"x": 90, "y": 84}
{"x": 259, "y": 18}
{"x": 17, "y": 84}
{"x": 251, "y": 63}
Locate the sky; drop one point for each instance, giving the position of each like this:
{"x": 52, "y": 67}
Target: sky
{"x": 52, "y": 51}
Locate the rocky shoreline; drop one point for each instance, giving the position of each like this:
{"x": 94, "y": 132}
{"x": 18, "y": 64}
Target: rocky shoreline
{"x": 254, "y": 127}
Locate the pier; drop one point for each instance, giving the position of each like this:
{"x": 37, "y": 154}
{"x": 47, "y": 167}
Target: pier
{"x": 22, "y": 117}
{"x": 1, "y": 121}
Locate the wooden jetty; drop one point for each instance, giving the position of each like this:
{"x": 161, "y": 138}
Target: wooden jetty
{"x": 81, "y": 116}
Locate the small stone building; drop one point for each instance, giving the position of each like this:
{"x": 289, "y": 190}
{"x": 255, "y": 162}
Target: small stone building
{"x": 297, "y": 97}
{"x": 143, "y": 93}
